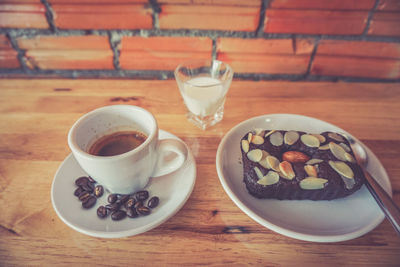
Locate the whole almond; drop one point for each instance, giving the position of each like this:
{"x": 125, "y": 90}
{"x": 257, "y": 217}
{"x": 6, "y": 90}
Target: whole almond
{"x": 295, "y": 156}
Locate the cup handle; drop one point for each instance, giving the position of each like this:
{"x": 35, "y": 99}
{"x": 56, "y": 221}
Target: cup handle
{"x": 172, "y": 154}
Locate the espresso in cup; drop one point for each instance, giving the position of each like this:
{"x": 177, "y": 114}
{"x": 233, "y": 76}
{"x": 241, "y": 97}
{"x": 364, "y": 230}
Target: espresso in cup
{"x": 119, "y": 147}
{"x": 117, "y": 143}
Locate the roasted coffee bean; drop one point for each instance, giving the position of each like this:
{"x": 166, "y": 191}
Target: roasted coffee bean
{"x": 78, "y": 191}
{"x": 90, "y": 179}
{"x": 112, "y": 198}
{"x": 84, "y": 196}
{"x": 132, "y": 213}
{"x": 138, "y": 204}
{"x": 82, "y": 180}
{"x": 141, "y": 195}
{"x": 153, "y": 202}
{"x": 89, "y": 202}
{"x": 102, "y": 212}
{"x": 143, "y": 210}
{"x": 113, "y": 207}
{"x": 118, "y": 215}
{"x": 130, "y": 202}
{"x": 89, "y": 187}
{"x": 98, "y": 191}
{"x": 123, "y": 199}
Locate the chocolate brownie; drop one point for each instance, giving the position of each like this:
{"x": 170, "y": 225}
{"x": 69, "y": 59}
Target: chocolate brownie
{"x": 295, "y": 165}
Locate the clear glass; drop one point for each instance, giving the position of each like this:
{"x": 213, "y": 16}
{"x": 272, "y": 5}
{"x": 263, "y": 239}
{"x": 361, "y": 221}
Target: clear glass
{"x": 203, "y": 85}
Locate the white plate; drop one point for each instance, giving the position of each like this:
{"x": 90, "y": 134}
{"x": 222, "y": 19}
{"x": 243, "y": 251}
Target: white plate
{"x": 172, "y": 189}
{"x": 318, "y": 221}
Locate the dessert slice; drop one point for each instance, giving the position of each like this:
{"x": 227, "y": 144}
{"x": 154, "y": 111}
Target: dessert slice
{"x": 297, "y": 165}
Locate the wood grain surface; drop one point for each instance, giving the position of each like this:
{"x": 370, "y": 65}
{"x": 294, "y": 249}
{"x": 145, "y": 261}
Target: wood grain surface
{"x": 35, "y": 116}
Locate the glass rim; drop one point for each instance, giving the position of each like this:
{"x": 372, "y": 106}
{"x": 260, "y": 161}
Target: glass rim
{"x": 189, "y": 64}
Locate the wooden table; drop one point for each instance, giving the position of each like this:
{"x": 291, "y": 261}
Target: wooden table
{"x": 210, "y": 229}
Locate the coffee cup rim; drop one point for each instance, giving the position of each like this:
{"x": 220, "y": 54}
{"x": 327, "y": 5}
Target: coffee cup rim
{"x": 76, "y": 149}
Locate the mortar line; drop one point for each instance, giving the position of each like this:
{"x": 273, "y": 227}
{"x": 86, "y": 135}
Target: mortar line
{"x": 214, "y": 53}
{"x": 312, "y": 56}
{"x": 162, "y": 74}
{"x": 369, "y": 18}
{"x": 196, "y": 33}
{"x": 262, "y": 14}
{"x": 20, "y": 52}
{"x": 114, "y": 40}
{"x": 49, "y": 15}
{"x": 155, "y": 16}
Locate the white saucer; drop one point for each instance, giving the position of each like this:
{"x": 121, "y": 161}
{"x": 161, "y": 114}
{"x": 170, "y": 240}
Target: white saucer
{"x": 172, "y": 189}
{"x": 318, "y": 221}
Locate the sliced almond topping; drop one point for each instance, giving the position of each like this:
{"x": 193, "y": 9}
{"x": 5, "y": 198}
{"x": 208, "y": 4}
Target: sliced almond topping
{"x": 345, "y": 147}
{"x": 258, "y": 172}
{"x": 276, "y": 139}
{"x": 349, "y": 158}
{"x": 314, "y": 161}
{"x": 255, "y": 155}
{"x": 245, "y": 146}
{"x": 324, "y": 147}
{"x": 337, "y": 151}
{"x": 263, "y": 161}
{"x": 336, "y": 137}
{"x": 321, "y": 138}
{"x": 342, "y": 168}
{"x": 265, "y": 154}
{"x": 313, "y": 183}
{"x": 273, "y": 163}
{"x": 259, "y": 131}
{"x": 257, "y": 140}
{"x": 309, "y": 140}
{"x": 295, "y": 156}
{"x": 287, "y": 170}
{"x": 269, "y": 179}
{"x": 250, "y": 137}
{"x": 291, "y": 137}
{"x": 269, "y": 133}
{"x": 311, "y": 170}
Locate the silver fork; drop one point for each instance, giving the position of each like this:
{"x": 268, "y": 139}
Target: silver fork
{"x": 385, "y": 202}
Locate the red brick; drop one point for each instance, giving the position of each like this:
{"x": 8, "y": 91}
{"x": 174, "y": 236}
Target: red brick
{"x": 315, "y": 21}
{"x": 215, "y": 2}
{"x": 357, "y": 67}
{"x": 271, "y": 56}
{"x": 318, "y": 4}
{"x": 357, "y": 59}
{"x": 20, "y": 15}
{"x": 20, "y": 1}
{"x": 167, "y": 44}
{"x": 209, "y": 17}
{"x": 68, "y": 52}
{"x": 385, "y": 24}
{"x": 359, "y": 49}
{"x": 4, "y": 42}
{"x": 70, "y": 59}
{"x": 103, "y": 16}
{"x": 97, "y": 1}
{"x": 8, "y": 59}
{"x": 389, "y": 5}
{"x": 92, "y": 42}
{"x": 8, "y": 56}
{"x": 264, "y": 46}
{"x": 162, "y": 53}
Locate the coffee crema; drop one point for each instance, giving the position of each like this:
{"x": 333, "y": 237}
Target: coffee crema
{"x": 117, "y": 143}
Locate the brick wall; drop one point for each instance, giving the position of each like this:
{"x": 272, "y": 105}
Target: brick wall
{"x": 277, "y": 39}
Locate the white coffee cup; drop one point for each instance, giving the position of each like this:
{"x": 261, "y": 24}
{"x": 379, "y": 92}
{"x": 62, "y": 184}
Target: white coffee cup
{"x": 131, "y": 171}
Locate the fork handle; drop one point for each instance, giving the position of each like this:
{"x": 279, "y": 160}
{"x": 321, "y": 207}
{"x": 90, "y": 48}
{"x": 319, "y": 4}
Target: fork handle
{"x": 385, "y": 202}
